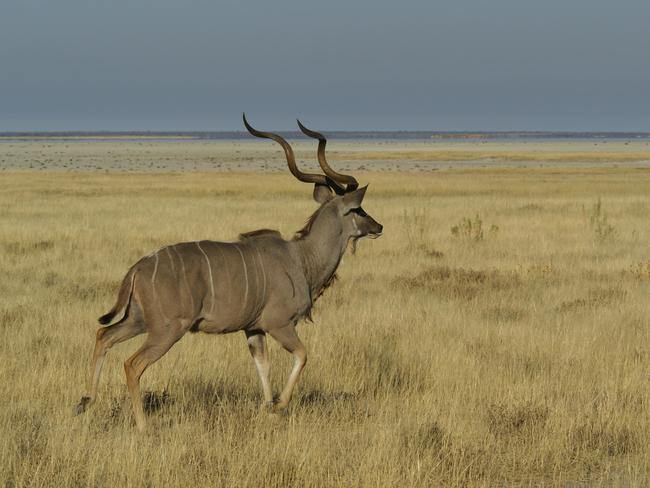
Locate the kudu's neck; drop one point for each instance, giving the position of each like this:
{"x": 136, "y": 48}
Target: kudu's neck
{"x": 322, "y": 248}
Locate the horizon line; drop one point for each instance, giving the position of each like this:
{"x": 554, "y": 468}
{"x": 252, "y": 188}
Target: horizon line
{"x": 76, "y": 132}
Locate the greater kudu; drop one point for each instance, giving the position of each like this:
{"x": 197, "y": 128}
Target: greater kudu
{"x": 260, "y": 284}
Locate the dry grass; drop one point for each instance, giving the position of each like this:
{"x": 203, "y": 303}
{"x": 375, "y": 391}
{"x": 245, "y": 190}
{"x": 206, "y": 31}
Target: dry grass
{"x": 520, "y": 359}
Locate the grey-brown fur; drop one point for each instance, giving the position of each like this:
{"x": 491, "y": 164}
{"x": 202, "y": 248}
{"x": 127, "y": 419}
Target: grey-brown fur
{"x": 261, "y": 284}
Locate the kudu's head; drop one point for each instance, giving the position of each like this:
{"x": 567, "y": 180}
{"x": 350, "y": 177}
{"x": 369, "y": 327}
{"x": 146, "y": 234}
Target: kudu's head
{"x": 339, "y": 195}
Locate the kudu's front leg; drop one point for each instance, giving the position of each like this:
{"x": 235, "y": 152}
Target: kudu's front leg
{"x": 288, "y": 338}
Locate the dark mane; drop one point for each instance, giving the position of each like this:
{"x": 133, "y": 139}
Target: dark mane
{"x": 330, "y": 281}
{"x": 304, "y": 232}
{"x": 259, "y": 232}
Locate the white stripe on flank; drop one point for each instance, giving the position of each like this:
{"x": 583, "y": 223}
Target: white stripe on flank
{"x": 187, "y": 285}
{"x": 209, "y": 271}
{"x": 224, "y": 266}
{"x": 155, "y": 270}
{"x": 263, "y": 275}
{"x": 153, "y": 286}
{"x": 256, "y": 288}
{"x": 171, "y": 260}
{"x": 245, "y": 276}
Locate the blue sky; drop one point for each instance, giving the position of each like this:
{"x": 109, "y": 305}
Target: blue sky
{"x": 338, "y": 65}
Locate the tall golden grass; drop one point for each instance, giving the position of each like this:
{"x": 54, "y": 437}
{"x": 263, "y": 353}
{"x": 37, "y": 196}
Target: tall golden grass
{"x": 513, "y": 351}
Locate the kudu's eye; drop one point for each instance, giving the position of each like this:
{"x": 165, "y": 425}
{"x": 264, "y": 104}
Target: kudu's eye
{"x": 359, "y": 211}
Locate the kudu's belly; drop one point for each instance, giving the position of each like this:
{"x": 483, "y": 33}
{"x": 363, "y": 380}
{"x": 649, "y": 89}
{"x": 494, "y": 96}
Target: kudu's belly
{"x": 218, "y": 326}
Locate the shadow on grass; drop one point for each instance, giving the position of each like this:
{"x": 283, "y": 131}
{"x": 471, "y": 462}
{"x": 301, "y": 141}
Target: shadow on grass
{"x": 321, "y": 399}
{"x": 153, "y": 401}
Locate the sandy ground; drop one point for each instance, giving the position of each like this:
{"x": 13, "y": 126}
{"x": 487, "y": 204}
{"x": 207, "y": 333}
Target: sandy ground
{"x": 165, "y": 156}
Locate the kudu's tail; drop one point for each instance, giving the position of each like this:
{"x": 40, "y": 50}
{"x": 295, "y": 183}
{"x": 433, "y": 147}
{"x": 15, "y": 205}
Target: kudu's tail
{"x": 123, "y": 298}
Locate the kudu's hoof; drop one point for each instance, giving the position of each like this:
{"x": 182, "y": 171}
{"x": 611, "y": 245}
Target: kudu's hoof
{"x": 280, "y": 407}
{"x": 81, "y": 407}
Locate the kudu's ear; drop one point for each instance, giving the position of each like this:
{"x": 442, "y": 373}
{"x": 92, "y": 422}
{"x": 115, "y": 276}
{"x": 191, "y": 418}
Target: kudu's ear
{"x": 322, "y": 193}
{"x": 354, "y": 198}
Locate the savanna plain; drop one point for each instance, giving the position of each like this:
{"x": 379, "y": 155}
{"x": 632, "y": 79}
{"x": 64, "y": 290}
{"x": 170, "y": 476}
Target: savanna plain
{"x": 497, "y": 334}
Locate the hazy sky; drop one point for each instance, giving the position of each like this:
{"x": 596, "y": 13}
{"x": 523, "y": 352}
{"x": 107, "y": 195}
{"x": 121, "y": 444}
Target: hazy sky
{"x": 339, "y": 65}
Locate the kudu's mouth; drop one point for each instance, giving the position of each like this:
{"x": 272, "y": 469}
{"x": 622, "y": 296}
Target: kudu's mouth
{"x": 371, "y": 235}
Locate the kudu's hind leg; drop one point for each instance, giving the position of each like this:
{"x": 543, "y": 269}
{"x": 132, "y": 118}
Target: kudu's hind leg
{"x": 106, "y": 338}
{"x": 257, "y": 347}
{"x": 154, "y": 347}
{"x": 289, "y": 339}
